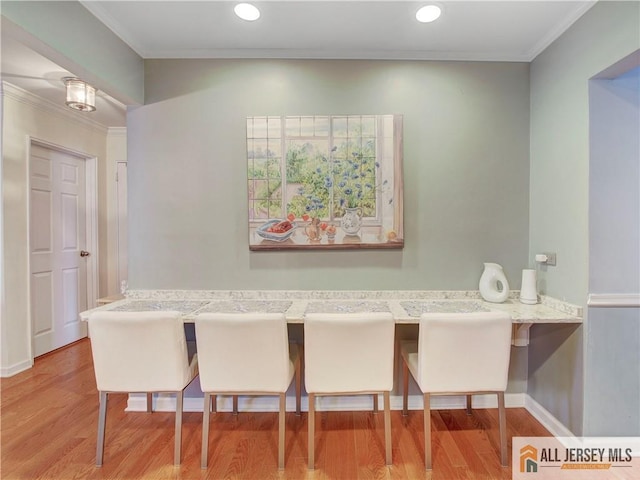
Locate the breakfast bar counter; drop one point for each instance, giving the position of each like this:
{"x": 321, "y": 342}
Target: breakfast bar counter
{"x": 406, "y": 306}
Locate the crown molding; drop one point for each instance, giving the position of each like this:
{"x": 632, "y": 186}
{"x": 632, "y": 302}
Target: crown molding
{"x": 115, "y": 26}
{"x": 329, "y": 54}
{"x": 117, "y": 131}
{"x": 559, "y": 30}
{"x": 25, "y": 97}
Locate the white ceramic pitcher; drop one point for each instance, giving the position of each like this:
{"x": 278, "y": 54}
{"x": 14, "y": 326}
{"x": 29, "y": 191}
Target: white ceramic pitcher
{"x": 494, "y": 286}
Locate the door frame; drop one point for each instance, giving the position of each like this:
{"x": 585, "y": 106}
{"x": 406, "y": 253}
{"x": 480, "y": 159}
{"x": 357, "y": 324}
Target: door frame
{"x": 122, "y": 274}
{"x": 91, "y": 223}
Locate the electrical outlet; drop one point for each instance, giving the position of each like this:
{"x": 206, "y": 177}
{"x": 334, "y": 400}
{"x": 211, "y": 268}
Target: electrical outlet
{"x": 551, "y": 259}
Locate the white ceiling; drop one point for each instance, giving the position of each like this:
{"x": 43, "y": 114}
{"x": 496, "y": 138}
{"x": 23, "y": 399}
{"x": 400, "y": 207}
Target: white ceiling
{"x": 514, "y": 30}
{"x": 480, "y": 30}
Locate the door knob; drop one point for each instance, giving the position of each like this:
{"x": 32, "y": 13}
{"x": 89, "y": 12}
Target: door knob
{"x": 84, "y": 253}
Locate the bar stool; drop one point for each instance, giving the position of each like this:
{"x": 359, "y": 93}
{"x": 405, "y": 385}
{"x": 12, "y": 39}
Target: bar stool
{"x": 246, "y": 354}
{"x": 456, "y": 354}
{"x": 349, "y": 354}
{"x": 140, "y": 352}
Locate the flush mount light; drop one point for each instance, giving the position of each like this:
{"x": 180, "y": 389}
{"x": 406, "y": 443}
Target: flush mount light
{"x": 80, "y": 95}
{"x": 428, "y": 13}
{"x": 247, "y": 12}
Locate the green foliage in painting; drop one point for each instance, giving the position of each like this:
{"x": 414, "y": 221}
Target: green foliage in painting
{"x": 346, "y": 179}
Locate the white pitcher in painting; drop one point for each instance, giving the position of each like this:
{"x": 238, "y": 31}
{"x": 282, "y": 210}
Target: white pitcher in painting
{"x": 351, "y": 221}
{"x": 494, "y": 286}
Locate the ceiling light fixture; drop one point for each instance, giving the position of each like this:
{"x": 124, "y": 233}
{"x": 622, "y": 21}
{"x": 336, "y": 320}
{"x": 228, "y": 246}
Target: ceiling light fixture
{"x": 428, "y": 13}
{"x": 247, "y": 12}
{"x": 80, "y": 95}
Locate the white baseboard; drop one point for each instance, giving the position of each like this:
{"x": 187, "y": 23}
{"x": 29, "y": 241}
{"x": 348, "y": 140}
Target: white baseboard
{"x": 167, "y": 403}
{"x": 16, "y": 368}
{"x": 548, "y": 421}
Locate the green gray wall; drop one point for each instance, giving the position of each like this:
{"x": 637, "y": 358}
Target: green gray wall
{"x": 466, "y": 172}
{"x": 560, "y": 77}
{"x": 559, "y": 194}
{"x": 612, "y": 364}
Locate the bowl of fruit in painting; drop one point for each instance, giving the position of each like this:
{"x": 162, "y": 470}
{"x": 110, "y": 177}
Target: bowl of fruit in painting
{"x": 276, "y": 230}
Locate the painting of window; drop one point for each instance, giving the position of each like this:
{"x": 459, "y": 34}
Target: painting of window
{"x": 324, "y": 181}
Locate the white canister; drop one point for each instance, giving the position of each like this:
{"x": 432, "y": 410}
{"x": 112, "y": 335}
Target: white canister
{"x": 528, "y": 291}
{"x": 493, "y": 283}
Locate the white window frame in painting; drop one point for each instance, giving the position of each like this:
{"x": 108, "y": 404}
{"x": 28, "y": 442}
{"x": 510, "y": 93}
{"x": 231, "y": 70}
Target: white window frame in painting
{"x": 382, "y": 140}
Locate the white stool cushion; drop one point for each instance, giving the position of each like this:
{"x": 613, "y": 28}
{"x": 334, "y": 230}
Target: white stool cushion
{"x": 140, "y": 352}
{"x": 244, "y": 352}
{"x": 349, "y": 352}
{"x": 458, "y": 353}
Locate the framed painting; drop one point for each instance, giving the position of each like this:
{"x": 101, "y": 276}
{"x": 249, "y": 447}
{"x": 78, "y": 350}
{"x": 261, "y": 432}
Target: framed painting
{"x": 324, "y": 182}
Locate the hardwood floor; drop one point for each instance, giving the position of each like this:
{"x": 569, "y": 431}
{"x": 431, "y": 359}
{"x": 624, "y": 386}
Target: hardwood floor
{"x": 49, "y": 418}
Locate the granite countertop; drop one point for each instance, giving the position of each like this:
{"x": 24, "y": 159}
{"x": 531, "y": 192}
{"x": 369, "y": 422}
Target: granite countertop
{"x": 406, "y": 306}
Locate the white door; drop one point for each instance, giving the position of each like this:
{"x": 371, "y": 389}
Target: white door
{"x": 57, "y": 243}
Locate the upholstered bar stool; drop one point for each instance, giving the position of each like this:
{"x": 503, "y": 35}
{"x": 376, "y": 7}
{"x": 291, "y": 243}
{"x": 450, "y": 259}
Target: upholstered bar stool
{"x": 140, "y": 352}
{"x": 349, "y": 354}
{"x": 459, "y": 354}
{"x": 246, "y": 354}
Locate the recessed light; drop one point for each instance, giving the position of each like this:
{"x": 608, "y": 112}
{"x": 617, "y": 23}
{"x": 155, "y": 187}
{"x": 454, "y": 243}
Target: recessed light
{"x": 247, "y": 12}
{"x": 428, "y": 13}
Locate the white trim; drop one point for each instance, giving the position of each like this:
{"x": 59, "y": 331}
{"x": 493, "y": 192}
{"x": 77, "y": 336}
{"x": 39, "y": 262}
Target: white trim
{"x": 548, "y": 421}
{"x": 3, "y": 316}
{"x": 27, "y": 167}
{"x": 92, "y": 214}
{"x": 614, "y": 300}
{"x": 166, "y": 402}
{"x": 559, "y": 29}
{"x": 117, "y": 131}
{"x": 23, "y": 96}
{"x": 122, "y": 274}
{"x": 319, "y": 54}
{"x": 16, "y": 368}
{"x": 115, "y": 26}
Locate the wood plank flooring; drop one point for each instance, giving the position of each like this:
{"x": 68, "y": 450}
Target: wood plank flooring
{"x": 49, "y": 420}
